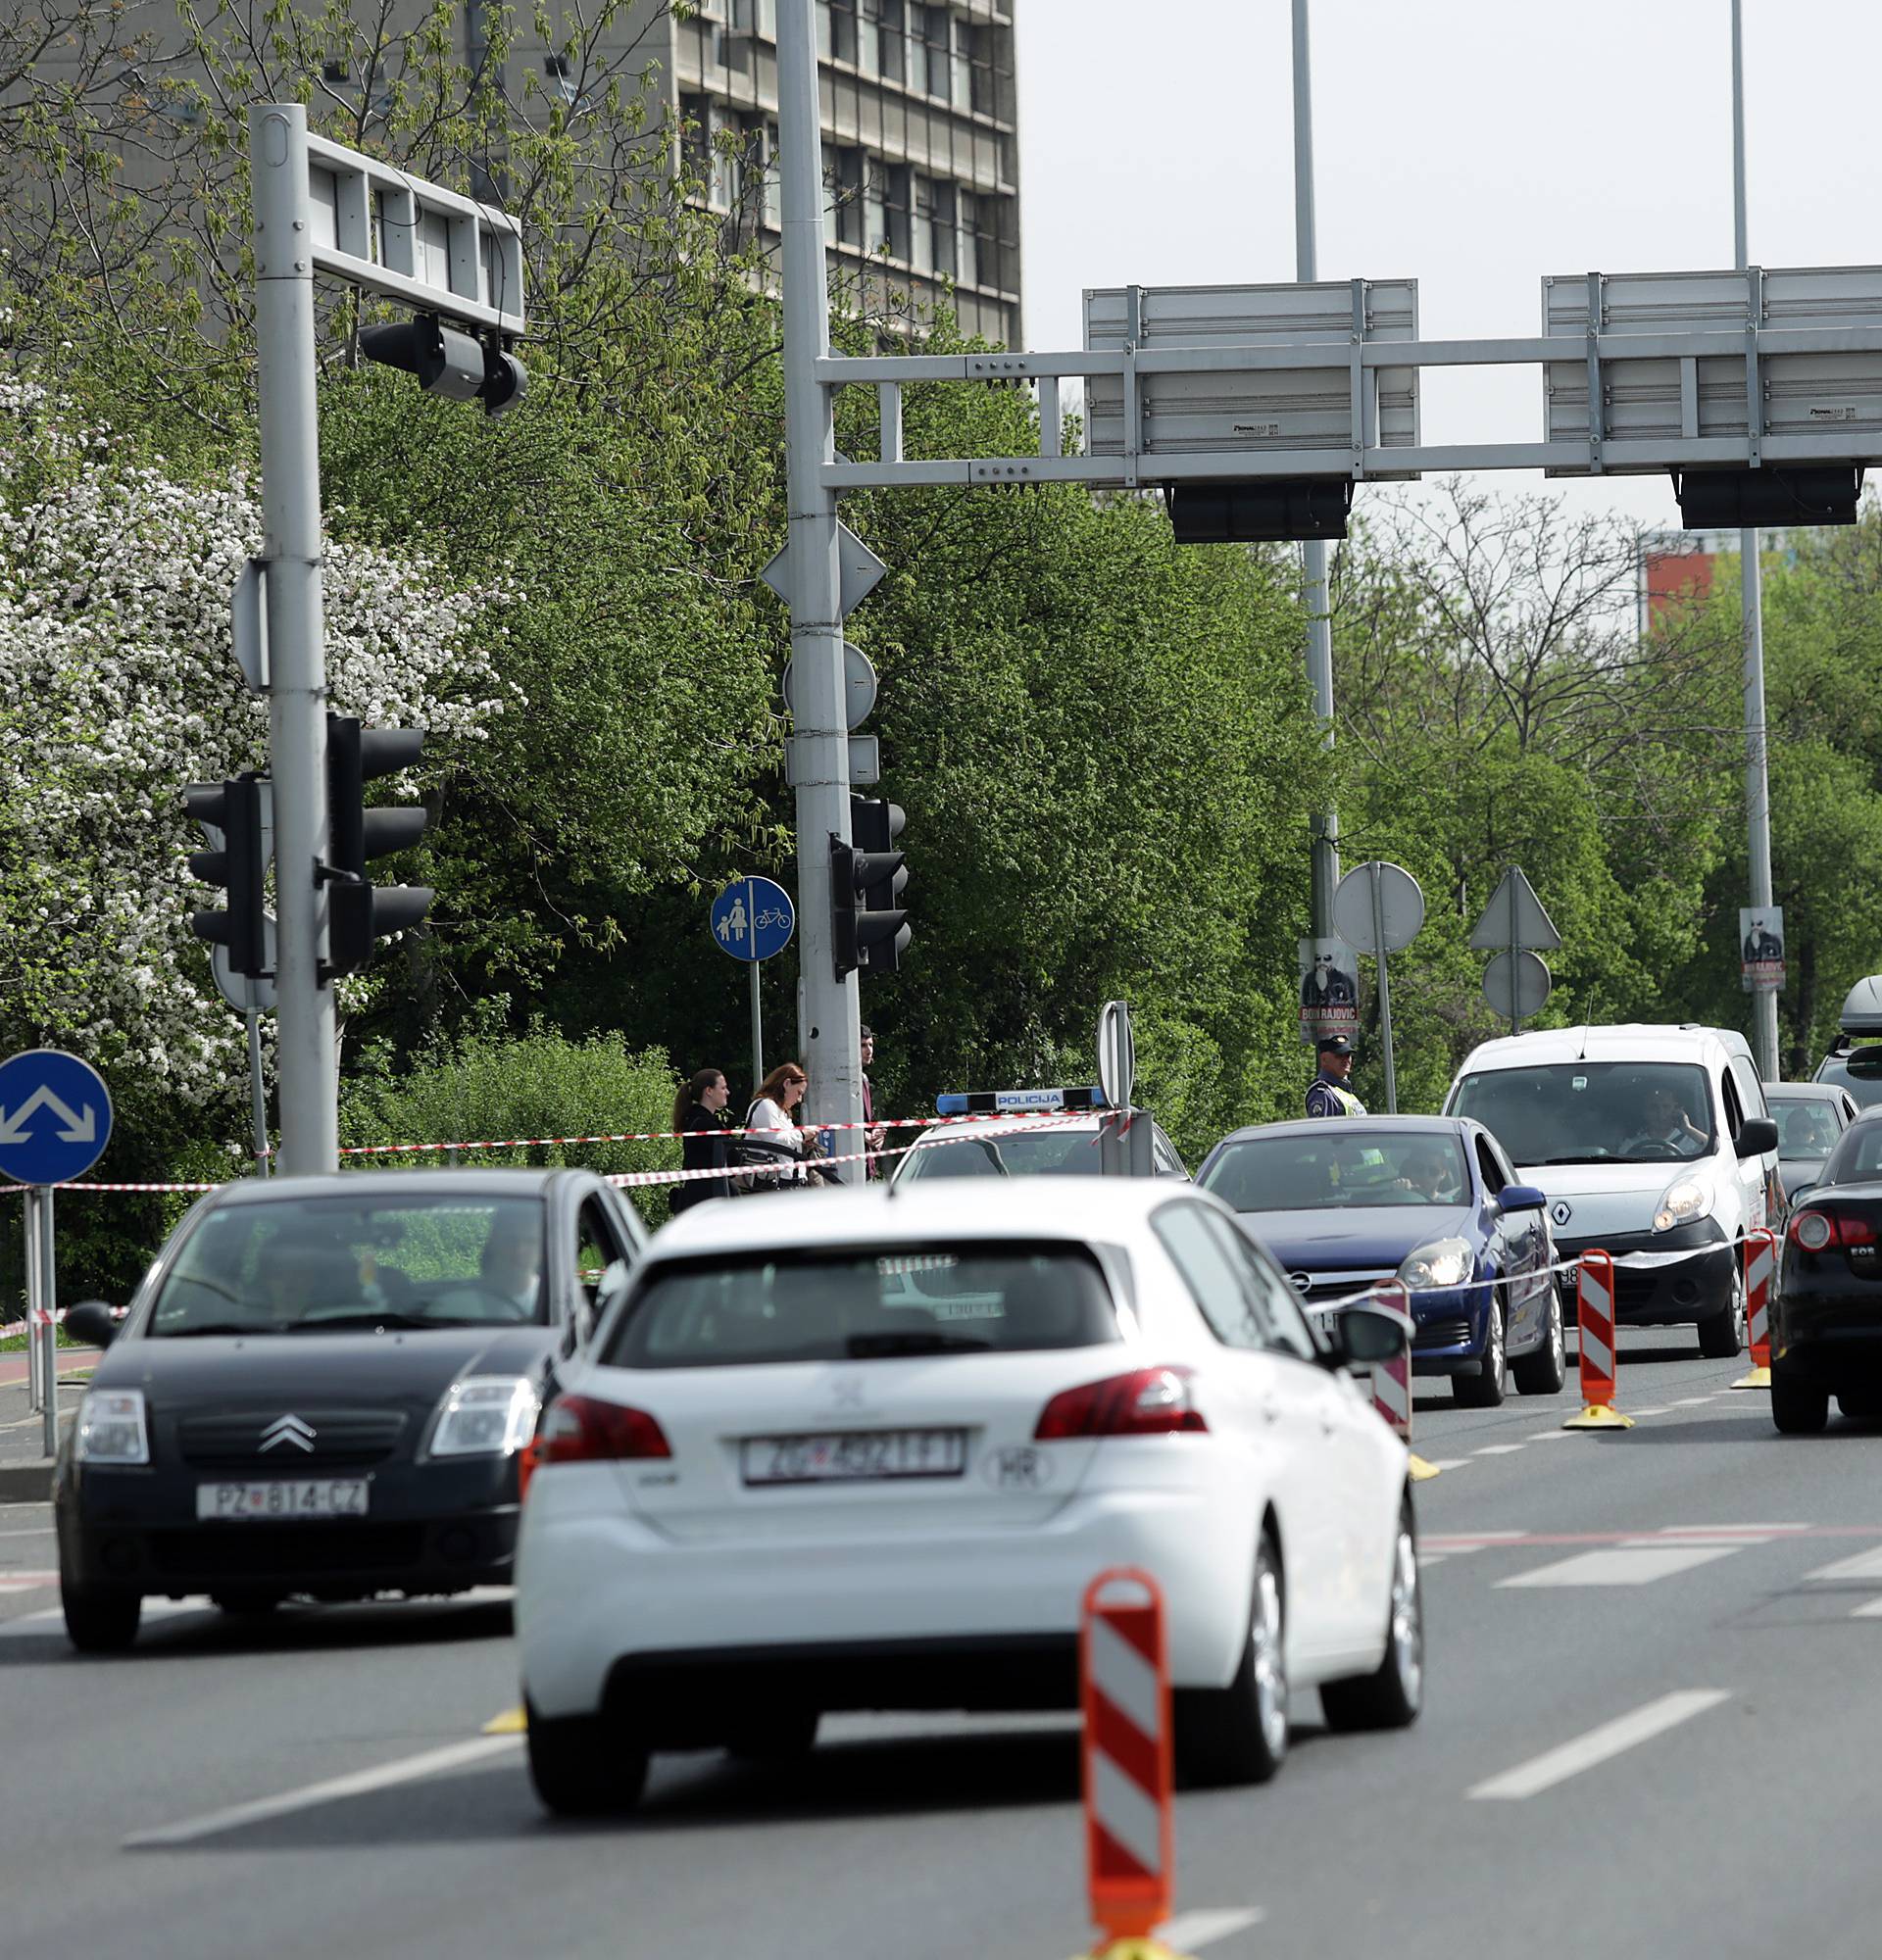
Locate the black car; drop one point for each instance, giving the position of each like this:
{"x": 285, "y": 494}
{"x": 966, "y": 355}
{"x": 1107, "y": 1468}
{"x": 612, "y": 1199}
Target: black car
{"x": 1827, "y": 1321}
{"x": 1809, "y": 1117}
{"x": 322, "y": 1387}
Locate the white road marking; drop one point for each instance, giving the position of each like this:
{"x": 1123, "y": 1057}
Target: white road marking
{"x": 40, "y": 1531}
{"x": 1864, "y": 1565}
{"x": 1598, "y": 1745}
{"x": 1652, "y": 1411}
{"x": 1207, "y": 1924}
{"x": 26, "y": 1582}
{"x": 1870, "y": 1609}
{"x": 1691, "y": 1402}
{"x": 1450, "y": 1462}
{"x": 407, "y": 1769}
{"x": 1545, "y": 1436}
{"x": 1497, "y": 1449}
{"x": 1622, "y": 1565}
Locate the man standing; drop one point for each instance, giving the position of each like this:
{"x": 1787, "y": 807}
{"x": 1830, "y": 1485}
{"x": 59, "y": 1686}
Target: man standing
{"x": 874, "y": 1134}
{"x": 1328, "y": 1094}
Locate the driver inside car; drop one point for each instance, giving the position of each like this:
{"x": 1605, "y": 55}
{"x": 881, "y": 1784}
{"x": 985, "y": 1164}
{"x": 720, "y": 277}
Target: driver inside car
{"x": 1426, "y": 1174}
{"x": 1667, "y": 1128}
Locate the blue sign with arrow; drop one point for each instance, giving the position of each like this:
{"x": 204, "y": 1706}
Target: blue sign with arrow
{"x": 753, "y": 919}
{"x": 55, "y": 1116}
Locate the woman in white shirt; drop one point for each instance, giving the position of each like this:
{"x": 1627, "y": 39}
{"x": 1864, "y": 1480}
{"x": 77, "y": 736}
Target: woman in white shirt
{"x": 771, "y": 1118}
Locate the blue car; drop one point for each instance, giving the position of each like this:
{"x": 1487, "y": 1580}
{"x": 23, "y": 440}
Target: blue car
{"x": 1345, "y": 1203}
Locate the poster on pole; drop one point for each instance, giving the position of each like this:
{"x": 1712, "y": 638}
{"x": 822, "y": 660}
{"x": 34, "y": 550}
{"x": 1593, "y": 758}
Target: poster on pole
{"x": 1760, "y": 932}
{"x": 1329, "y": 989}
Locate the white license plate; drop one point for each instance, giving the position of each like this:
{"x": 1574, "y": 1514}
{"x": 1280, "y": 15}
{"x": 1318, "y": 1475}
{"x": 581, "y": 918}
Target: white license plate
{"x": 298, "y": 1498}
{"x": 854, "y": 1458}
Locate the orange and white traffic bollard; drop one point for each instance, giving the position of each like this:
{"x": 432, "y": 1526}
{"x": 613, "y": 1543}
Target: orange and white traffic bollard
{"x": 1391, "y": 1381}
{"x": 1595, "y": 1321}
{"x": 1761, "y": 1268}
{"x": 1128, "y": 1751}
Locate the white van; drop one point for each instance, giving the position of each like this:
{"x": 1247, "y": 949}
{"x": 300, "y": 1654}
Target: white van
{"x": 1651, "y": 1141}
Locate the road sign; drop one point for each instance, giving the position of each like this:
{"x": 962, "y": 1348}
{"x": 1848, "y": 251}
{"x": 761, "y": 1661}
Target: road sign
{"x": 246, "y": 996}
{"x": 753, "y": 919}
{"x": 1515, "y": 918}
{"x": 861, "y": 570}
{"x": 55, "y": 1116}
{"x": 1400, "y": 907}
{"x": 1532, "y": 984}
{"x": 858, "y": 686}
{"x": 1116, "y": 1053}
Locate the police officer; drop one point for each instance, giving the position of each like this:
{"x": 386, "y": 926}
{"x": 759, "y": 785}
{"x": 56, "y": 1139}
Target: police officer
{"x": 1328, "y": 1094}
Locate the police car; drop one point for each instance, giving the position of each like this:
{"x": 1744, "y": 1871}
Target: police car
{"x": 1037, "y": 1133}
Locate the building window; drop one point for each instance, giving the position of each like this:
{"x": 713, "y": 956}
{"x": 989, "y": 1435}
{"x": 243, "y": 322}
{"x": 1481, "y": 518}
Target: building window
{"x": 843, "y": 31}
{"x": 825, "y": 34}
{"x": 707, "y": 161}
{"x": 959, "y": 62}
{"x": 986, "y": 93}
{"x": 967, "y": 261}
{"x": 773, "y": 181}
{"x": 844, "y": 221}
{"x": 933, "y": 76}
{"x": 892, "y": 41}
{"x": 754, "y": 17}
{"x": 335, "y": 72}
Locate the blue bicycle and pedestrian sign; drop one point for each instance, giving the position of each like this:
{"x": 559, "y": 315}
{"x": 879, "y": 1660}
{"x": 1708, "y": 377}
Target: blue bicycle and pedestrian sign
{"x": 55, "y": 1116}
{"x": 753, "y": 919}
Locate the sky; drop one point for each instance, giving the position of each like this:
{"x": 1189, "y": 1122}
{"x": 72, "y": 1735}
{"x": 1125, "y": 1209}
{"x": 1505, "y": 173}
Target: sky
{"x": 1473, "y": 145}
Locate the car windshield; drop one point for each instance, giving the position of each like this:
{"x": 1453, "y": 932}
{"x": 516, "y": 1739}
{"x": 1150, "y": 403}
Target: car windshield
{"x": 1342, "y": 1165}
{"x": 1858, "y": 1158}
{"x": 1806, "y": 1124}
{"x": 1593, "y": 1111}
{"x": 862, "y": 1305}
{"x": 308, "y": 1264}
{"x": 1044, "y": 1153}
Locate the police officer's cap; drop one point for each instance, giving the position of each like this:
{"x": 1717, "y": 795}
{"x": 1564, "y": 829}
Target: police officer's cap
{"x": 1334, "y": 1045}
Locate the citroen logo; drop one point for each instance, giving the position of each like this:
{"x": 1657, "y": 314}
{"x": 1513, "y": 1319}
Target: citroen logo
{"x": 1300, "y": 1282}
{"x": 1562, "y": 1211}
{"x": 289, "y": 1429}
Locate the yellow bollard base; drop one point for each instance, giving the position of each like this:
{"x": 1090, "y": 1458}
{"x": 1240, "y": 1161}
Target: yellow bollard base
{"x": 1595, "y": 1416}
{"x": 1134, "y": 1950}
{"x": 1421, "y": 1471}
{"x": 509, "y": 1723}
{"x": 1759, "y": 1378}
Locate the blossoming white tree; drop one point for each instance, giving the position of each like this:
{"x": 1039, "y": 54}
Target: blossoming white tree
{"x": 118, "y": 686}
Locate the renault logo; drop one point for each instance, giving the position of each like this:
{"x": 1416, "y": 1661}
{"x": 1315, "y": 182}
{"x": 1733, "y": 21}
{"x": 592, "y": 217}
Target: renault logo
{"x": 1562, "y": 1211}
{"x": 289, "y": 1429}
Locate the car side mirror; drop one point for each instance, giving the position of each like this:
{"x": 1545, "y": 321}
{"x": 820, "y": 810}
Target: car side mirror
{"x": 1755, "y": 1136}
{"x": 92, "y": 1322}
{"x": 1361, "y": 1336}
{"x": 1522, "y": 1198}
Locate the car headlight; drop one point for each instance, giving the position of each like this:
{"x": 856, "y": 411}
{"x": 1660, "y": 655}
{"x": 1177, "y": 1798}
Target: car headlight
{"x": 485, "y": 1415}
{"x": 1685, "y": 1198}
{"x": 1445, "y": 1262}
{"x": 112, "y": 1427}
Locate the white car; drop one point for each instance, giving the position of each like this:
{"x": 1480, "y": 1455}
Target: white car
{"x": 867, "y": 1451}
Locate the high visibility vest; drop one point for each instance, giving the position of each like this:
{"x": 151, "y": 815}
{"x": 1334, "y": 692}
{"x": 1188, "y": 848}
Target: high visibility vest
{"x": 1345, "y": 1103}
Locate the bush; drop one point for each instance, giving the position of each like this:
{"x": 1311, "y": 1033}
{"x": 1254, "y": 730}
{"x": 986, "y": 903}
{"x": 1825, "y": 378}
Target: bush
{"x": 540, "y": 1084}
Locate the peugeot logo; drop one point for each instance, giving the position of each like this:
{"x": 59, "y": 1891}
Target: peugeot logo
{"x": 289, "y": 1429}
{"x": 1300, "y": 1282}
{"x": 1562, "y": 1211}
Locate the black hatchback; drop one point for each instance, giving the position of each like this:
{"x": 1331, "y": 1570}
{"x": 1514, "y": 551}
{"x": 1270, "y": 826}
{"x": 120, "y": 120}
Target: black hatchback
{"x": 1827, "y": 1321}
{"x": 322, "y": 1389}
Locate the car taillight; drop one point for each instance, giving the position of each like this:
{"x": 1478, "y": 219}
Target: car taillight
{"x": 1148, "y": 1401}
{"x": 1816, "y": 1230}
{"x": 581, "y": 1430}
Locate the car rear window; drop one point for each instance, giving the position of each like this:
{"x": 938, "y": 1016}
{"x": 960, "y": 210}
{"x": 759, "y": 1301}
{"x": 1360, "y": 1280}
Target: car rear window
{"x": 1043, "y": 1153}
{"x": 863, "y": 1304}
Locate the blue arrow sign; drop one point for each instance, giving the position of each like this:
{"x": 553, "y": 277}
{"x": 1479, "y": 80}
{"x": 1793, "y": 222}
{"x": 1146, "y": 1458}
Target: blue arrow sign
{"x": 753, "y": 919}
{"x": 55, "y": 1116}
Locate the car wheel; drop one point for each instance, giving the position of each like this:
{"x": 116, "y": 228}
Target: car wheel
{"x": 1484, "y": 1390}
{"x": 1544, "y": 1372}
{"x": 1859, "y": 1407}
{"x": 776, "y": 1737}
{"x": 583, "y": 1766}
{"x": 1723, "y": 1336}
{"x": 1390, "y": 1697}
{"x": 100, "y": 1623}
{"x": 1798, "y": 1408}
{"x": 1238, "y": 1734}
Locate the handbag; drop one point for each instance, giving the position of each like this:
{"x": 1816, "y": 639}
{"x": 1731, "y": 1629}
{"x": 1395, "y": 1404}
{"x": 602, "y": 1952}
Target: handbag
{"x": 758, "y": 1164}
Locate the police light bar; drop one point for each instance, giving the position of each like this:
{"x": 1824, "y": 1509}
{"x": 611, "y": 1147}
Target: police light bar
{"x": 1017, "y": 1102}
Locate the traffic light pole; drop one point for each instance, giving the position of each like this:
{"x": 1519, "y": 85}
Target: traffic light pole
{"x": 831, "y": 1050}
{"x": 1320, "y": 626}
{"x": 308, "y": 1090}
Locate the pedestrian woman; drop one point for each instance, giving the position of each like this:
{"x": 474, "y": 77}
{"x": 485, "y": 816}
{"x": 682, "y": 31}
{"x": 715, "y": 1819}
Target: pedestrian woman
{"x": 699, "y": 1107}
{"x": 772, "y": 1121}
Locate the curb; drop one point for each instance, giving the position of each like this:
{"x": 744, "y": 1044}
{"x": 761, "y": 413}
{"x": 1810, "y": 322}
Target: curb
{"x": 25, "y": 1483}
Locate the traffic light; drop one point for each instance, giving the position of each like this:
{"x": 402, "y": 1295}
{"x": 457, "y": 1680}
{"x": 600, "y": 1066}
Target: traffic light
{"x": 449, "y": 361}
{"x": 358, "y": 912}
{"x": 231, "y": 815}
{"x": 868, "y": 879}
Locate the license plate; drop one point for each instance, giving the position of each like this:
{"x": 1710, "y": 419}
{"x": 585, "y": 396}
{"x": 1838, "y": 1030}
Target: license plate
{"x": 876, "y": 1457}
{"x": 300, "y": 1497}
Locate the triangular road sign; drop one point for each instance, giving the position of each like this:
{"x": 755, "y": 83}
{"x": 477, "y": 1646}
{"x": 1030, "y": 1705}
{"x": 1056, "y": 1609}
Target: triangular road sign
{"x": 1515, "y": 918}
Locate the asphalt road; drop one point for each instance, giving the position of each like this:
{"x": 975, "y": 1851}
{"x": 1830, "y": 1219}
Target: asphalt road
{"x": 1652, "y": 1724}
